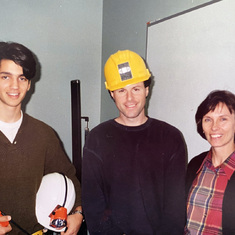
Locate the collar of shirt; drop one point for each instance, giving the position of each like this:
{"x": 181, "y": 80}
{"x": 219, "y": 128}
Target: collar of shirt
{"x": 228, "y": 166}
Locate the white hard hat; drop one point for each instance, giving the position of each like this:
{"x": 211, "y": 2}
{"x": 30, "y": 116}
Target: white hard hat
{"x": 55, "y": 189}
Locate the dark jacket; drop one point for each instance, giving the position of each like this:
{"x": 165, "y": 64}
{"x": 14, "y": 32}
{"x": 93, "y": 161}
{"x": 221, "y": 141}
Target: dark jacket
{"x": 228, "y": 208}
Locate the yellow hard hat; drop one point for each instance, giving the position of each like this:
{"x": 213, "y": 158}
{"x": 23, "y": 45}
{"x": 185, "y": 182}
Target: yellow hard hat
{"x": 124, "y": 68}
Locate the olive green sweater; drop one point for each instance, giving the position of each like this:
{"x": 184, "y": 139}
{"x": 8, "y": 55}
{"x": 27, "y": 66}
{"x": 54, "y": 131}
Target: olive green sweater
{"x": 36, "y": 151}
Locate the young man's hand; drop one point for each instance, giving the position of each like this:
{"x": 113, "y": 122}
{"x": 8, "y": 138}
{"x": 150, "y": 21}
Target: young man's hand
{"x": 74, "y": 223}
{"x": 5, "y": 226}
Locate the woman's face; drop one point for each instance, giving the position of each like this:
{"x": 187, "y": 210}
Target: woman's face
{"x": 219, "y": 127}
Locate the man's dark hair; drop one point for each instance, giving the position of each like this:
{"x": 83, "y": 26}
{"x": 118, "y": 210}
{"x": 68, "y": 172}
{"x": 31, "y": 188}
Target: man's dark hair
{"x": 147, "y": 83}
{"x": 21, "y": 55}
{"x": 210, "y": 103}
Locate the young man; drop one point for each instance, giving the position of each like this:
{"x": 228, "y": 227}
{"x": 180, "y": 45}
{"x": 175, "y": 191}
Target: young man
{"x": 29, "y": 149}
{"x": 134, "y": 165}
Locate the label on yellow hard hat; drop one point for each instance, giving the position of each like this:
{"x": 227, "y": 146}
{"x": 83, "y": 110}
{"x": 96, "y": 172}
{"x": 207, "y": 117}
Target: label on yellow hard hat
{"x": 125, "y": 71}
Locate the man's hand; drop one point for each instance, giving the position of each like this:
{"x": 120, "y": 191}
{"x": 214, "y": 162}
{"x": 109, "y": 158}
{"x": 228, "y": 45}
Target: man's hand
{"x": 8, "y": 228}
{"x": 74, "y": 223}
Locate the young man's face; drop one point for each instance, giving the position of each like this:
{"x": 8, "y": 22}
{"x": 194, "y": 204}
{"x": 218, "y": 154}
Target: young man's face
{"x": 130, "y": 102}
{"x": 13, "y": 84}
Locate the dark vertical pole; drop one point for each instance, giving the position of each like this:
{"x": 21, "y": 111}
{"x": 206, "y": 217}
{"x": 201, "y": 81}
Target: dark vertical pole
{"x": 76, "y": 135}
{"x": 76, "y": 126}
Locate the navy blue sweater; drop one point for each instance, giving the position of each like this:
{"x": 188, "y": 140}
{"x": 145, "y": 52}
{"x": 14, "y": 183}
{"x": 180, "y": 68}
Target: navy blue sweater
{"x": 133, "y": 179}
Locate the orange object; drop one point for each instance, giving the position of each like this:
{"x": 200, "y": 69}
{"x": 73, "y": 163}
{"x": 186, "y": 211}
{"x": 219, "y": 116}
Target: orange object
{"x": 5, "y": 223}
{"x": 58, "y": 217}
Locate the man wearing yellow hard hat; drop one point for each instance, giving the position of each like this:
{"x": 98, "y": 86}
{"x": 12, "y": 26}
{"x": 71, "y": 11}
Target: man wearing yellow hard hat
{"x": 133, "y": 166}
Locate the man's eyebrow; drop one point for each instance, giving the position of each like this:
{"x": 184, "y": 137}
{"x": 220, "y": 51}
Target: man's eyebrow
{"x": 5, "y": 72}
{"x": 8, "y": 73}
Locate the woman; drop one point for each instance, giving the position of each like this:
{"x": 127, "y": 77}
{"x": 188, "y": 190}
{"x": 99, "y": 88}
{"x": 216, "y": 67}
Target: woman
{"x": 210, "y": 181}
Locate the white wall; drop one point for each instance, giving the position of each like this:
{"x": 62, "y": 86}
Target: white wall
{"x": 66, "y": 37}
{"x": 190, "y": 55}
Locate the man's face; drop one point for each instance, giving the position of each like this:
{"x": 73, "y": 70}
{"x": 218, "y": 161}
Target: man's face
{"x": 130, "y": 102}
{"x": 13, "y": 84}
